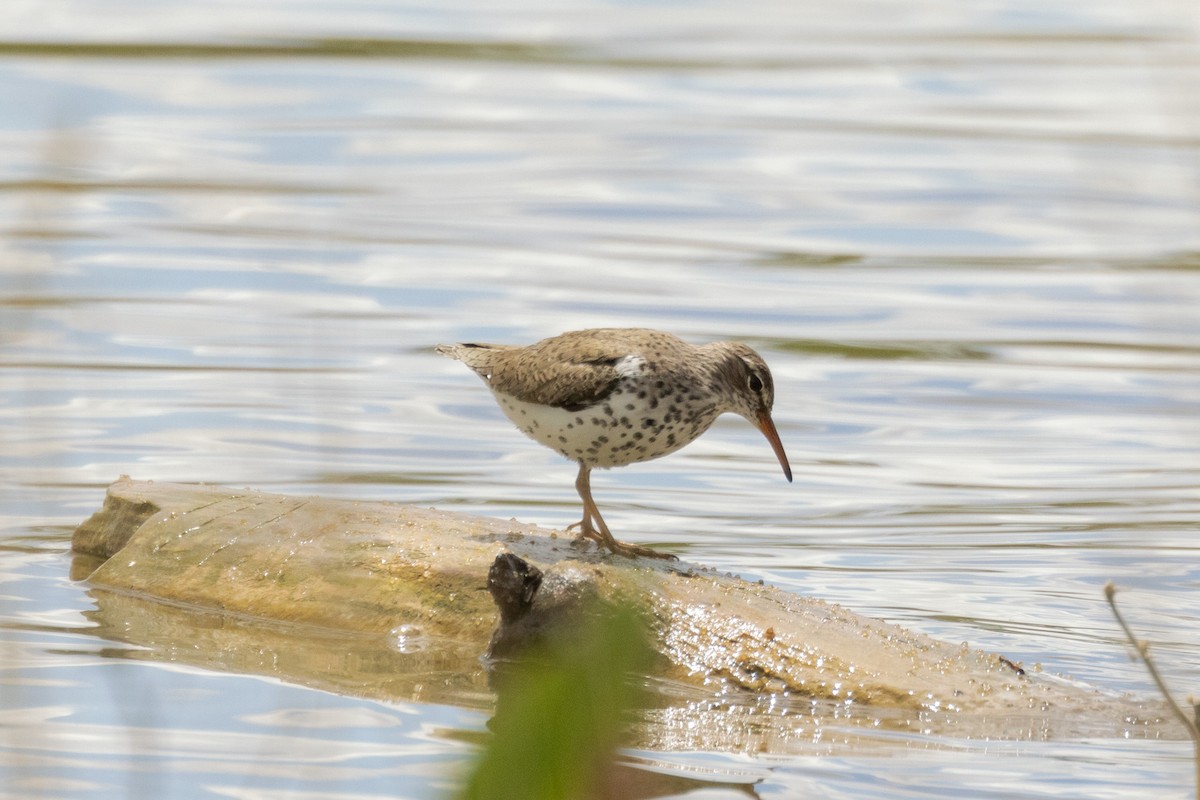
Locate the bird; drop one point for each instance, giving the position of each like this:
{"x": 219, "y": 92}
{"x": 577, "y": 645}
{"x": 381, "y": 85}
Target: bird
{"x": 609, "y": 397}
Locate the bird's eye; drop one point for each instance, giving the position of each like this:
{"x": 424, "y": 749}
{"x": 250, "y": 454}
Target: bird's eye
{"x": 755, "y": 383}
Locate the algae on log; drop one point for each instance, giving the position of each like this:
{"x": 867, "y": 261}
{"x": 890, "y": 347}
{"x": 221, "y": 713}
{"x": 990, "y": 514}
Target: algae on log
{"x": 359, "y": 572}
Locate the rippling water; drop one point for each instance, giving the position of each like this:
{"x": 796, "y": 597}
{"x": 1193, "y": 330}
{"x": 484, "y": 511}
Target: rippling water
{"x": 967, "y": 240}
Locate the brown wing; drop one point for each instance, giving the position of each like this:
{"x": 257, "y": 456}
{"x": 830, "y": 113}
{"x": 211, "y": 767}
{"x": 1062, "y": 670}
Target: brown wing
{"x": 558, "y": 377}
{"x": 573, "y": 370}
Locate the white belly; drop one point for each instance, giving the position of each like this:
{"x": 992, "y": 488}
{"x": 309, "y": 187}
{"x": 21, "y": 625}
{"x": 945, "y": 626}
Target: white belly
{"x": 622, "y": 430}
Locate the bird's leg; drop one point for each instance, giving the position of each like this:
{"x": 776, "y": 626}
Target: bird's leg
{"x": 583, "y": 485}
{"x": 600, "y": 533}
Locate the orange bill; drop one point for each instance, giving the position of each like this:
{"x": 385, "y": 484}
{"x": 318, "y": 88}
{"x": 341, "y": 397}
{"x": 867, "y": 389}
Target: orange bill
{"x": 767, "y": 426}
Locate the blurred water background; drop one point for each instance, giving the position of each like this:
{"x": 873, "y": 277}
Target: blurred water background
{"x": 966, "y": 237}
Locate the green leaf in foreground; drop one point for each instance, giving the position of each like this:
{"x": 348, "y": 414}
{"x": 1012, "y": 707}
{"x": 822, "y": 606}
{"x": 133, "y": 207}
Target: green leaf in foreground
{"x": 561, "y": 713}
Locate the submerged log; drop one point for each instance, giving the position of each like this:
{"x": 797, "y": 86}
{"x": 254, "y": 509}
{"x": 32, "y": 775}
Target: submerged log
{"x": 387, "y": 581}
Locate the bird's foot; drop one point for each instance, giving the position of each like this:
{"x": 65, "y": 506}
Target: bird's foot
{"x": 586, "y": 534}
{"x": 605, "y": 540}
{"x": 633, "y": 550}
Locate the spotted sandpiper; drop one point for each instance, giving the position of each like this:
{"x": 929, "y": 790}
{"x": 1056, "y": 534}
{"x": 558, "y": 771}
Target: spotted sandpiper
{"x": 608, "y": 397}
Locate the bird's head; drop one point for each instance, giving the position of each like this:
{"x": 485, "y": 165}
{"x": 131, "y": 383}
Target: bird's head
{"x": 751, "y": 392}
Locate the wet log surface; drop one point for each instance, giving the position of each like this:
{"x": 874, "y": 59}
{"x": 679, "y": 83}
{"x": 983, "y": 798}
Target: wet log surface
{"x": 387, "y": 600}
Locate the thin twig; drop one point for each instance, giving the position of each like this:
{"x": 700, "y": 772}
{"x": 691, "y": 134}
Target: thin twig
{"x": 1143, "y": 650}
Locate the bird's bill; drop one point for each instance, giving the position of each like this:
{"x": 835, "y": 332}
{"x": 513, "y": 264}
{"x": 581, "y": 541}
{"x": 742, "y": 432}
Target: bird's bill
{"x": 767, "y": 426}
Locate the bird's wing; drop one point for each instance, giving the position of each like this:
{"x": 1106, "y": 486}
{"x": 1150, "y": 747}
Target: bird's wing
{"x": 573, "y": 371}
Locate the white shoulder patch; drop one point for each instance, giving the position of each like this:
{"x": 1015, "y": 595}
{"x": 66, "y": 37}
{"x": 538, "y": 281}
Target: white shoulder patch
{"x": 631, "y": 366}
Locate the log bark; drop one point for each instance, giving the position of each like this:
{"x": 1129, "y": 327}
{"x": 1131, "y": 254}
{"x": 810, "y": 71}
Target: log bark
{"x": 404, "y": 588}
